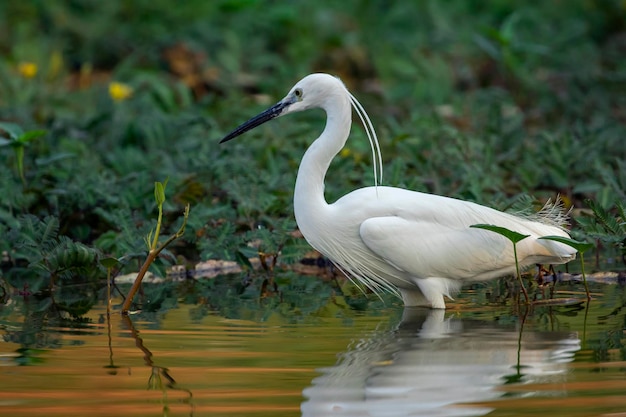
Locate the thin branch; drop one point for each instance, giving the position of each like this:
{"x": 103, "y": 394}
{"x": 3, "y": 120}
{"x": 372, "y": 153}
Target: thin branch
{"x": 152, "y": 255}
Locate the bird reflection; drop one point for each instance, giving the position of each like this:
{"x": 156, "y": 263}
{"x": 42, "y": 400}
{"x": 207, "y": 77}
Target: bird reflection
{"x": 431, "y": 365}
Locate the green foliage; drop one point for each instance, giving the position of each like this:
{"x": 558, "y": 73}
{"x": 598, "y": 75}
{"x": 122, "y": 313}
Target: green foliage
{"x": 43, "y": 257}
{"x": 512, "y": 235}
{"x": 487, "y": 101}
{"x": 579, "y": 246}
{"x": 608, "y": 225}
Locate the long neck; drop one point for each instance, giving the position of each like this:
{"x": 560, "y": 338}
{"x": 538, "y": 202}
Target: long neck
{"x": 309, "y": 191}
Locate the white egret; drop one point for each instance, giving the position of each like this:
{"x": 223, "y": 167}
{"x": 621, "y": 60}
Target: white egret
{"x": 417, "y": 245}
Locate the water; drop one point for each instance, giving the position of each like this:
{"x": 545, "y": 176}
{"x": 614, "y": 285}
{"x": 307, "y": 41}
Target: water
{"x": 191, "y": 360}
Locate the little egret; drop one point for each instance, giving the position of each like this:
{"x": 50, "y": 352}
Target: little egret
{"x": 419, "y": 246}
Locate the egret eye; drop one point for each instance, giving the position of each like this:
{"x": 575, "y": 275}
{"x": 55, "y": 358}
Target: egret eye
{"x": 298, "y": 93}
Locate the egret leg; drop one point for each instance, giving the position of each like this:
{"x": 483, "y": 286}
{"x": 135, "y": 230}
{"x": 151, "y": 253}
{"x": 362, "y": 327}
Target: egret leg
{"x": 434, "y": 288}
{"x": 414, "y": 298}
{"x": 433, "y": 295}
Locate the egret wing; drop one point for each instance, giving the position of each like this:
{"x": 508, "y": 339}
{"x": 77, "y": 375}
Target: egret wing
{"x": 431, "y": 249}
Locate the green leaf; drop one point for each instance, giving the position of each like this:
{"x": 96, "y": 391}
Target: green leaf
{"x": 243, "y": 260}
{"x": 60, "y": 156}
{"x": 509, "y": 234}
{"x": 159, "y": 192}
{"x": 148, "y": 239}
{"x": 30, "y": 135}
{"x": 507, "y": 29}
{"x": 19, "y": 156}
{"x": 579, "y": 246}
{"x": 109, "y": 262}
{"x": 14, "y": 131}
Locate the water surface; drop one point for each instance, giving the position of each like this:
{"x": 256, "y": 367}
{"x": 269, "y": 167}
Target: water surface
{"x": 470, "y": 360}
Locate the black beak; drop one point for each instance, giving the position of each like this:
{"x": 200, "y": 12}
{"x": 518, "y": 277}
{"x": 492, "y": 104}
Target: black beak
{"x": 269, "y": 114}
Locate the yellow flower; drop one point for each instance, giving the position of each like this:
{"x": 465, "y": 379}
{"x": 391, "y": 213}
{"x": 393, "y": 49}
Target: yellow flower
{"x": 27, "y": 69}
{"x": 120, "y": 91}
{"x": 345, "y": 152}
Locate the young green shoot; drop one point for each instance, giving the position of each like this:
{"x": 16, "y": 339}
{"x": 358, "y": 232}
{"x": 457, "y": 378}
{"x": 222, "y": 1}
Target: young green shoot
{"x": 581, "y": 247}
{"x": 18, "y": 140}
{"x": 152, "y": 240}
{"x": 159, "y": 196}
{"x": 514, "y": 237}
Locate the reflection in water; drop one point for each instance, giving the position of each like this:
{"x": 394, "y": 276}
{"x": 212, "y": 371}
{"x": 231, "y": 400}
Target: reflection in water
{"x": 432, "y": 366}
{"x": 158, "y": 374}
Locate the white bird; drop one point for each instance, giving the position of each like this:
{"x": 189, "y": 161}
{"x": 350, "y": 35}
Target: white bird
{"x": 417, "y": 245}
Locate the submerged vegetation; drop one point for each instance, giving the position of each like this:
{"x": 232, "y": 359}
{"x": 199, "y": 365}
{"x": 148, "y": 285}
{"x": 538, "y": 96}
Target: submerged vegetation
{"x": 506, "y": 104}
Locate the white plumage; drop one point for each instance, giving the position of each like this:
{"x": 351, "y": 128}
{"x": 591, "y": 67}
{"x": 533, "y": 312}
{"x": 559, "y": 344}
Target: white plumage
{"x": 418, "y": 244}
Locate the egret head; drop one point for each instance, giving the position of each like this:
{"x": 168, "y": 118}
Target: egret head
{"x": 319, "y": 91}
{"x": 313, "y": 91}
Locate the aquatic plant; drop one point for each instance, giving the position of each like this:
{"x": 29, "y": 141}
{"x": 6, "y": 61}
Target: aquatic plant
{"x": 515, "y": 238}
{"x": 581, "y": 247}
{"x": 152, "y": 241}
